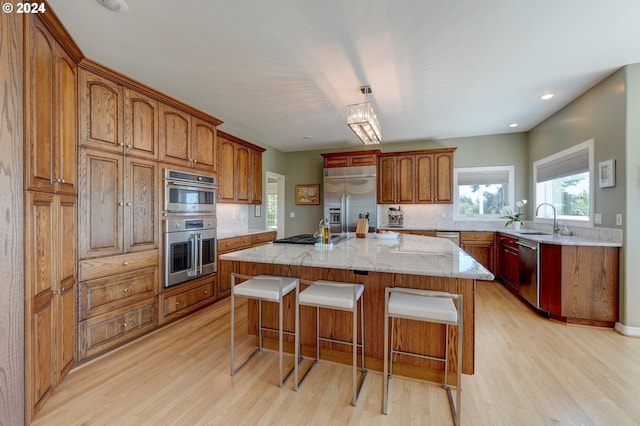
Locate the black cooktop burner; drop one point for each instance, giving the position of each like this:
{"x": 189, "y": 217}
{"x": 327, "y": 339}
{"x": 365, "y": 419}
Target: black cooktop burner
{"x": 298, "y": 239}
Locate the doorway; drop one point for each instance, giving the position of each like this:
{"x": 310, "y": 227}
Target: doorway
{"x": 275, "y": 203}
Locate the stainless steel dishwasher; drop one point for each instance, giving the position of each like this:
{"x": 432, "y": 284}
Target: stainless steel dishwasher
{"x": 528, "y": 282}
{"x": 454, "y": 237}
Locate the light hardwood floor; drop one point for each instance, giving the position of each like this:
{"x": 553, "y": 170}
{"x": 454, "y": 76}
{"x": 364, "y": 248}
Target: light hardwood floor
{"x": 529, "y": 371}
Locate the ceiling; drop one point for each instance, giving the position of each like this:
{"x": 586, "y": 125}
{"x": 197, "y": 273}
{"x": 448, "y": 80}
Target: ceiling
{"x": 282, "y": 72}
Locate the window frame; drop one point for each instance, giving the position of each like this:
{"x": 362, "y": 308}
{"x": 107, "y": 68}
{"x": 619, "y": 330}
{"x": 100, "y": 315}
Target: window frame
{"x": 565, "y": 153}
{"x": 510, "y": 194}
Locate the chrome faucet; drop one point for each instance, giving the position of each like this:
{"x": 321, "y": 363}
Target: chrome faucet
{"x": 556, "y": 228}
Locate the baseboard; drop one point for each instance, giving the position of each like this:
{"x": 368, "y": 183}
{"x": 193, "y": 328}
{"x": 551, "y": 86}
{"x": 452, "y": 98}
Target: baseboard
{"x": 627, "y": 331}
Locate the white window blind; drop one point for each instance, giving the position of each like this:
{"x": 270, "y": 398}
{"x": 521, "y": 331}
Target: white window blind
{"x": 483, "y": 177}
{"x": 568, "y": 164}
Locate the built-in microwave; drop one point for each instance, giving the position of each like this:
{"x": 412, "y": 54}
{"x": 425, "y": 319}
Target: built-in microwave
{"x": 189, "y": 193}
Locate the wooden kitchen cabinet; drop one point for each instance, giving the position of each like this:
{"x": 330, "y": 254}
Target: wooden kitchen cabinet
{"x": 351, "y": 159}
{"x": 227, "y": 245}
{"x": 508, "y": 262}
{"x": 50, "y": 292}
{"x": 579, "y": 284}
{"x": 50, "y": 213}
{"x": 181, "y": 300}
{"x": 480, "y": 245}
{"x": 140, "y": 125}
{"x": 117, "y": 300}
{"x": 186, "y": 141}
{"x": 416, "y": 177}
{"x": 102, "y": 333}
{"x": 239, "y": 171}
{"x": 50, "y": 113}
{"x": 118, "y": 204}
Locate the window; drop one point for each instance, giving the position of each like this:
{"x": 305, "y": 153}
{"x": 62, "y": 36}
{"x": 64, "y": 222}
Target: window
{"x": 564, "y": 180}
{"x": 482, "y": 192}
{"x": 272, "y": 211}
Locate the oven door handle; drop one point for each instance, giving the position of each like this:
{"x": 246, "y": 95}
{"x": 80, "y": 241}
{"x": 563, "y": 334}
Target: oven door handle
{"x": 199, "y": 236}
{"x": 193, "y": 238}
{"x": 190, "y": 185}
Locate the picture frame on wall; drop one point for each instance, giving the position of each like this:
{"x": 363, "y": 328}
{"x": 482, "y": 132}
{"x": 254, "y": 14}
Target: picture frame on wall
{"x": 607, "y": 174}
{"x": 308, "y": 194}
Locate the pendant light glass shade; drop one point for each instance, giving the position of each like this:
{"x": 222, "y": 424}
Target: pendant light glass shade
{"x": 364, "y": 123}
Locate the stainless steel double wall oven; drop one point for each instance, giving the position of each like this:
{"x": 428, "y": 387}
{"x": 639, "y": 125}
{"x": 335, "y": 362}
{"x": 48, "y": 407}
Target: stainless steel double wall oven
{"x": 189, "y": 227}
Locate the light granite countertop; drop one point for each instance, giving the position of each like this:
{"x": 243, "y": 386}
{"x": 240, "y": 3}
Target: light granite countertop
{"x": 563, "y": 240}
{"x": 408, "y": 254}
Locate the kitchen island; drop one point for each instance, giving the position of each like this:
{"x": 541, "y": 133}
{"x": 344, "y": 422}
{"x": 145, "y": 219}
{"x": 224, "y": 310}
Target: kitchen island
{"x": 377, "y": 262}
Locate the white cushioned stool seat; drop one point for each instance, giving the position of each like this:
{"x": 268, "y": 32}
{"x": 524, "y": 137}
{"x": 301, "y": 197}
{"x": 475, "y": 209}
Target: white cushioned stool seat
{"x": 265, "y": 287}
{"x": 425, "y": 308}
{"x": 330, "y": 297}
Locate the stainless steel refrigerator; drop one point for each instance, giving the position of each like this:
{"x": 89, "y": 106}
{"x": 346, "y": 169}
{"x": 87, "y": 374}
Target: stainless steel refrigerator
{"x": 350, "y": 193}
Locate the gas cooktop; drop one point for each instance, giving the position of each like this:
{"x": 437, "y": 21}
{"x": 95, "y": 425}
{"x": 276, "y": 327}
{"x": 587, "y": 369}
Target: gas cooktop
{"x": 308, "y": 239}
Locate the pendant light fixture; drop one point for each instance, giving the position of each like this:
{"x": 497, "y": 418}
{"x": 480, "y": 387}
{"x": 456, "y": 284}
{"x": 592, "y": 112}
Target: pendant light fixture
{"x": 363, "y": 121}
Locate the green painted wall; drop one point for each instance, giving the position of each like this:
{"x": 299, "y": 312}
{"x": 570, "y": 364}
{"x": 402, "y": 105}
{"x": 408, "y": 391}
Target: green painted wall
{"x": 598, "y": 114}
{"x": 630, "y": 267}
{"x": 307, "y": 166}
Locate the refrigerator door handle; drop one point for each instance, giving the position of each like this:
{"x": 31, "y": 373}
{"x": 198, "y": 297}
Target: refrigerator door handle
{"x": 342, "y": 213}
{"x": 346, "y": 217}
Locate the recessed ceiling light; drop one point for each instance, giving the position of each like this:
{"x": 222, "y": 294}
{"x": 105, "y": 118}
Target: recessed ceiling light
{"x": 513, "y": 125}
{"x": 114, "y": 5}
{"x": 546, "y": 96}
{"x": 308, "y": 137}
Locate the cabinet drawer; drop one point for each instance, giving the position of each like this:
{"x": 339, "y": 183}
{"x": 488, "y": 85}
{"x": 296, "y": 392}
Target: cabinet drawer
{"x": 471, "y": 237}
{"x": 506, "y": 240}
{"x": 187, "y": 299}
{"x": 111, "y": 265}
{"x": 105, "y": 332}
{"x": 102, "y": 295}
{"x": 263, "y": 238}
{"x": 235, "y": 243}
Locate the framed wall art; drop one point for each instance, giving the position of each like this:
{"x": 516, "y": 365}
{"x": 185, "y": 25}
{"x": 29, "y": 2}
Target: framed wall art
{"x": 307, "y": 195}
{"x": 607, "y": 173}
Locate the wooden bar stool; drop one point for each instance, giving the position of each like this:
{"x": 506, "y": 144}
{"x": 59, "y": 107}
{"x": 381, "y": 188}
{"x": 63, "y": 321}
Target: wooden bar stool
{"x": 270, "y": 289}
{"x": 338, "y": 296}
{"x": 428, "y": 306}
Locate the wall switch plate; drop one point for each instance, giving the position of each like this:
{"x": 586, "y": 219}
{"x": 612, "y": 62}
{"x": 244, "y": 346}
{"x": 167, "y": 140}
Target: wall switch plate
{"x": 597, "y": 218}
{"x": 619, "y": 219}
{"x": 292, "y": 214}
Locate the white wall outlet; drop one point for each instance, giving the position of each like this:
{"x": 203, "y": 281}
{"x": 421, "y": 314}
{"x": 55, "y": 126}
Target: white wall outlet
{"x": 292, "y": 214}
{"x": 598, "y": 218}
{"x": 619, "y": 219}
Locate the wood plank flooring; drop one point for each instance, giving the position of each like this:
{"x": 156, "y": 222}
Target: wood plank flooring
{"x": 529, "y": 371}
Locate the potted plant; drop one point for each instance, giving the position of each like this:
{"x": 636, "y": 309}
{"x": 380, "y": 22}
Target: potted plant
{"x": 514, "y": 219}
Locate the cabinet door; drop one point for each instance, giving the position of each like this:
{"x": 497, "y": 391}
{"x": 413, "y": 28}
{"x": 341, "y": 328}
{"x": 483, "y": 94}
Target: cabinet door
{"x": 66, "y": 294}
{"x": 424, "y": 178}
{"x": 482, "y": 252}
{"x": 256, "y": 177}
{"x": 226, "y": 175}
{"x": 241, "y": 172}
{"x": 66, "y": 117}
{"x": 175, "y": 136}
{"x": 140, "y": 205}
{"x": 39, "y": 121}
{"x": 40, "y": 261}
{"x": 140, "y": 125}
{"x": 444, "y": 178}
{"x": 101, "y": 204}
{"x": 386, "y": 180}
{"x": 204, "y": 145}
{"x": 100, "y": 105}
{"x": 404, "y": 180}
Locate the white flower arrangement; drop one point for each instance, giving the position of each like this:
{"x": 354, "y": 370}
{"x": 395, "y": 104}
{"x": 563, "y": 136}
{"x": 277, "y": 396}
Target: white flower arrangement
{"x": 511, "y": 216}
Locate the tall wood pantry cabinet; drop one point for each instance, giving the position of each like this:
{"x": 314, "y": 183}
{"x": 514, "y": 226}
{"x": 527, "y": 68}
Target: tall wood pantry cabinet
{"x": 119, "y": 224}
{"x": 50, "y": 214}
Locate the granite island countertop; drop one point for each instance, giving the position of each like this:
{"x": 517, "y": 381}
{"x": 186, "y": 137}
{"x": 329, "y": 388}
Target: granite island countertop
{"x": 408, "y": 254}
